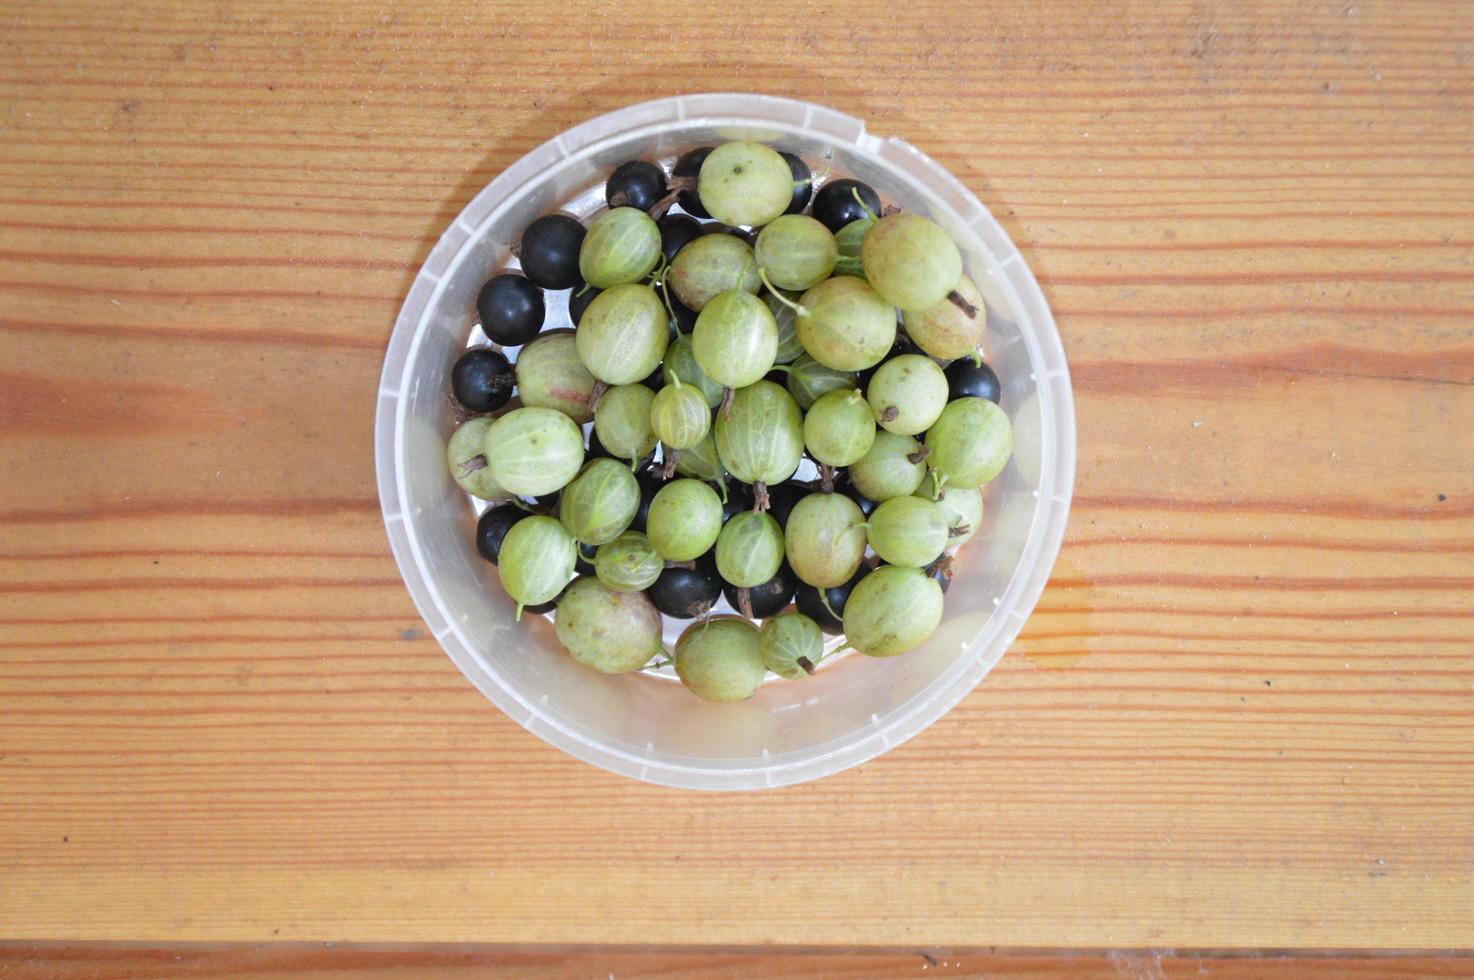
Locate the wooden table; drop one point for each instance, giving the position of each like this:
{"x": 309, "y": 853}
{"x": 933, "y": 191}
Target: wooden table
{"x": 1242, "y": 717}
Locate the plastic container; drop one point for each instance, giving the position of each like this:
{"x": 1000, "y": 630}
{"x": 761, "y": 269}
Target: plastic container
{"x": 647, "y": 726}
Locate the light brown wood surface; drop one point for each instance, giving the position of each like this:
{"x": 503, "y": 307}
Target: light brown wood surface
{"x": 1243, "y": 715}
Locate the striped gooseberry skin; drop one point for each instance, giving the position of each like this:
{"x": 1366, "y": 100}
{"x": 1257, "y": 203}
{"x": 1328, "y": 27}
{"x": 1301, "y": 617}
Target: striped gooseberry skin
{"x": 612, "y": 632}
{"x": 679, "y": 415}
{"x": 970, "y": 443}
{"x": 713, "y": 264}
{"x": 893, "y": 467}
{"x": 791, "y": 645}
{"x": 796, "y": 251}
{"x": 946, "y": 330}
{"x": 909, "y": 531}
{"x": 551, "y": 375}
{"x": 892, "y": 610}
{"x": 962, "y": 507}
{"x": 465, "y": 455}
{"x": 536, "y": 561}
{"x": 701, "y": 460}
{"x": 680, "y": 362}
{"x": 685, "y": 519}
{"x": 718, "y": 659}
{"x": 825, "y": 539}
{"x": 736, "y": 338}
{"x": 910, "y": 261}
{"x": 839, "y": 428}
{"x": 749, "y": 549}
{"x": 622, "y": 335}
{"x": 629, "y": 563}
{"x": 622, "y": 421}
{"x": 908, "y": 393}
{"x": 745, "y": 183}
{"x": 621, "y": 246}
{"x": 601, "y": 502}
{"x": 845, "y": 325}
{"x": 808, "y": 380}
{"x": 761, "y": 439}
{"x": 533, "y": 451}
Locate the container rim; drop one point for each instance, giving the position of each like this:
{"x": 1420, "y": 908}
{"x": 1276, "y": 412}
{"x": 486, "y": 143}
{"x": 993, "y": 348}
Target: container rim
{"x": 947, "y": 196}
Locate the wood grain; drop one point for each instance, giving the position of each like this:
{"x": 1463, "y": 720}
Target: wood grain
{"x": 1243, "y": 715}
{"x": 322, "y": 962}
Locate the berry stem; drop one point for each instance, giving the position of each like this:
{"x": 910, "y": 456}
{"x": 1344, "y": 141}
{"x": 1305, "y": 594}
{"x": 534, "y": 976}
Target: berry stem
{"x": 919, "y": 455}
{"x": 669, "y": 469}
{"x": 727, "y": 402}
{"x": 798, "y": 308}
{"x": 890, "y": 413}
{"x": 759, "y": 497}
{"x": 977, "y": 358}
{"x": 958, "y": 531}
{"x": 472, "y": 465}
{"x": 806, "y": 664}
{"x": 744, "y": 602}
{"x": 824, "y": 601}
{"x": 826, "y": 478}
{"x": 968, "y": 310}
{"x": 855, "y": 193}
{"x": 594, "y": 396}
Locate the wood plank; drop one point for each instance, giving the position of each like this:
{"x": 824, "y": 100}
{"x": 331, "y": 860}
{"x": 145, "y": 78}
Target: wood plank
{"x": 1240, "y": 718}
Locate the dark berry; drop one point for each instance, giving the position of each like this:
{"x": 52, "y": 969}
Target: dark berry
{"x": 767, "y": 599}
{"x": 748, "y": 235}
{"x": 511, "y": 309}
{"x": 655, "y": 380}
{"x": 689, "y": 165}
{"x": 782, "y": 498}
{"x": 865, "y": 504}
{"x": 635, "y": 184}
{"x": 685, "y": 316}
{"x": 803, "y": 182}
{"x": 482, "y": 380}
{"x": 492, "y": 529}
{"x": 968, "y": 380}
{"x": 739, "y": 498}
{"x": 835, "y": 204}
{"x": 685, "y": 593}
{"x": 675, "y": 231}
{"x": 649, "y": 482}
{"x": 578, "y": 301}
{"x": 828, "y": 610}
{"x": 549, "y": 251}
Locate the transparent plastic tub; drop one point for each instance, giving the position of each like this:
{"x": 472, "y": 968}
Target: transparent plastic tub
{"x": 647, "y": 726}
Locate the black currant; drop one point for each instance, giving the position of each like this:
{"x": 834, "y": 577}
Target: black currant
{"x": 650, "y": 483}
{"x": 482, "y": 380}
{"x": 767, "y": 599}
{"x": 579, "y": 300}
{"x": 689, "y": 165}
{"x": 511, "y": 309}
{"x": 675, "y": 231}
{"x": 685, "y": 593}
{"x": 803, "y": 186}
{"x": 492, "y": 528}
{"x": 782, "y": 498}
{"x": 739, "y": 498}
{"x": 635, "y": 184}
{"x": 835, "y": 204}
{"x": 968, "y": 380}
{"x": 826, "y": 606}
{"x": 549, "y": 251}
